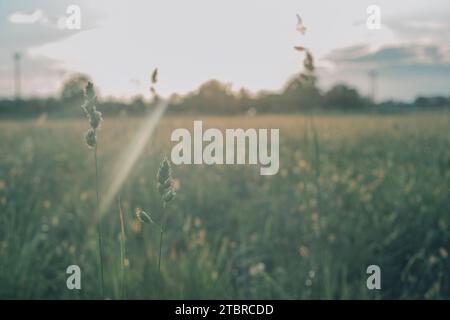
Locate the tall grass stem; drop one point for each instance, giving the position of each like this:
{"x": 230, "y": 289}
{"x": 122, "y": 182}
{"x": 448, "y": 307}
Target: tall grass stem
{"x": 122, "y": 250}
{"x": 163, "y": 222}
{"x": 99, "y": 227}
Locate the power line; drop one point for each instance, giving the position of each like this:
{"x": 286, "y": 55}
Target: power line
{"x": 373, "y": 84}
{"x": 17, "y": 80}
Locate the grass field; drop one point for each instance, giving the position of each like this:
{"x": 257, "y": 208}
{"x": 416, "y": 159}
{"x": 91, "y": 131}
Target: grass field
{"x": 351, "y": 191}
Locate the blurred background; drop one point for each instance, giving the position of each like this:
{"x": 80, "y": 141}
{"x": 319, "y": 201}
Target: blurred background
{"x": 364, "y": 118}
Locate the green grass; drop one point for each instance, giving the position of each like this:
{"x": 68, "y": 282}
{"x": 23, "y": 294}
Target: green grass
{"x": 352, "y": 191}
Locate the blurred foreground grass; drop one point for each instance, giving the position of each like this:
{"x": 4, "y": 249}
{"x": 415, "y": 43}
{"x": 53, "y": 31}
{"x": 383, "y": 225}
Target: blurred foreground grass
{"x": 351, "y": 191}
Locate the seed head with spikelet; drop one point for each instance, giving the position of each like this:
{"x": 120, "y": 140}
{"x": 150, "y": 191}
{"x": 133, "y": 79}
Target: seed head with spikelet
{"x": 307, "y": 76}
{"x": 167, "y": 192}
{"x": 155, "y": 76}
{"x": 91, "y": 138}
{"x": 308, "y": 62}
{"x": 165, "y": 182}
{"x": 154, "y": 81}
{"x": 94, "y": 116}
{"x": 143, "y": 216}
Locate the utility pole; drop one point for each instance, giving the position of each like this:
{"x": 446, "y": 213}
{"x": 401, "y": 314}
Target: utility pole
{"x": 373, "y": 84}
{"x": 17, "y": 83}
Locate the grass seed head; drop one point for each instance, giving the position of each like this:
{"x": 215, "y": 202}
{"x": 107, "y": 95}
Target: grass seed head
{"x": 95, "y": 119}
{"x": 89, "y": 92}
{"x": 155, "y": 76}
{"x": 143, "y": 216}
{"x": 154, "y": 81}
{"x": 94, "y": 116}
{"x": 165, "y": 182}
{"x": 91, "y": 138}
{"x": 308, "y": 62}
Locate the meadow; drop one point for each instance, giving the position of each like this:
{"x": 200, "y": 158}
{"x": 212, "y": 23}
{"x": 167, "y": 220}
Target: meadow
{"x": 352, "y": 191}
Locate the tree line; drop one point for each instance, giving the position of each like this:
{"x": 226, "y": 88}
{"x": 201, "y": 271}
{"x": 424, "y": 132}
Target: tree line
{"x": 300, "y": 94}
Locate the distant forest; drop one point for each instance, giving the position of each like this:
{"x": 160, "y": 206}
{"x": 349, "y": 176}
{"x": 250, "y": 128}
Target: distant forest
{"x": 300, "y": 94}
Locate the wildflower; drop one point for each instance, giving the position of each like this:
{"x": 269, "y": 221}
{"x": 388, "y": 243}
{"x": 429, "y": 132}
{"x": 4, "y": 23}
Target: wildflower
{"x": 331, "y": 237}
{"x": 176, "y": 184}
{"x": 257, "y": 269}
{"x": 136, "y": 227}
{"x": 55, "y": 221}
{"x": 47, "y": 204}
{"x": 83, "y": 196}
{"x": 432, "y": 260}
{"x": 303, "y": 251}
{"x": 201, "y": 237}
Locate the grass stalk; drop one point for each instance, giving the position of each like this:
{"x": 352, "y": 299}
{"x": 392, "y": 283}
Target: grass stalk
{"x": 163, "y": 225}
{"x": 99, "y": 225}
{"x": 122, "y": 251}
{"x": 167, "y": 192}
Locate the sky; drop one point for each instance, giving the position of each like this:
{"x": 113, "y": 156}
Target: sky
{"x": 246, "y": 43}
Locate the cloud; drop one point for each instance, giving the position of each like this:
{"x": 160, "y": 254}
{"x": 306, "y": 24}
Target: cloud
{"x": 119, "y": 45}
{"x": 421, "y": 30}
{"x": 404, "y": 70}
{"x": 39, "y": 17}
{"x": 408, "y": 54}
{"x": 429, "y": 24}
{"x": 27, "y": 18}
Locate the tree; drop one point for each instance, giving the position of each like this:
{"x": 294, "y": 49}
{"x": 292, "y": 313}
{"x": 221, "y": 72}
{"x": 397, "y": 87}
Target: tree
{"x": 212, "y": 96}
{"x": 73, "y": 88}
{"x": 301, "y": 93}
{"x": 343, "y": 97}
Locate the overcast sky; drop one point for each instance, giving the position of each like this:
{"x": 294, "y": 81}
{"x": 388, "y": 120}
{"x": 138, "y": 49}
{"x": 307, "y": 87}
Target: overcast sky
{"x": 247, "y": 43}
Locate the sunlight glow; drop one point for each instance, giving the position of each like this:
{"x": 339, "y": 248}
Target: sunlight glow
{"x": 127, "y": 160}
